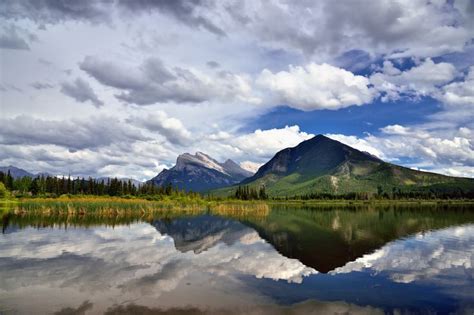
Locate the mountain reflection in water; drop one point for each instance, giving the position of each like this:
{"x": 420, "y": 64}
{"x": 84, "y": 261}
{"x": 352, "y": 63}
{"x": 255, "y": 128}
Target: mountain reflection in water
{"x": 292, "y": 260}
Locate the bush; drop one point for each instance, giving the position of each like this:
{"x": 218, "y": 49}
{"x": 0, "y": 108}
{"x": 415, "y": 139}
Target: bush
{"x": 4, "y": 193}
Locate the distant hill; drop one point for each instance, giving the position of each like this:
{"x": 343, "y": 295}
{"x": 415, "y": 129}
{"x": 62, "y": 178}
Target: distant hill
{"x": 201, "y": 173}
{"x": 323, "y": 165}
{"x": 16, "y": 172}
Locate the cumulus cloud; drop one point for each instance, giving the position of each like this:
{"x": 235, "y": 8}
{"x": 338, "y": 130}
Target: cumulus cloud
{"x": 445, "y": 152}
{"x": 171, "y": 128}
{"x": 316, "y": 87}
{"x": 81, "y": 91}
{"x": 152, "y": 82}
{"x": 459, "y": 93}
{"x": 422, "y": 80}
{"x": 265, "y": 143}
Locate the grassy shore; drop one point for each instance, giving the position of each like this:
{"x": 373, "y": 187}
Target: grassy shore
{"x": 79, "y": 205}
{"x": 116, "y": 206}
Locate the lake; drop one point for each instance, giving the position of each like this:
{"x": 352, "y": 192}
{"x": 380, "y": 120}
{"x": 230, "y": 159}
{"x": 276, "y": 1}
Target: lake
{"x": 284, "y": 259}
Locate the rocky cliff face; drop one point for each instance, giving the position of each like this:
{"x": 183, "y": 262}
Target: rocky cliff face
{"x": 200, "y": 173}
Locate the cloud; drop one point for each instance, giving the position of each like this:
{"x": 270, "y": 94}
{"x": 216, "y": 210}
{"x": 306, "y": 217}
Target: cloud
{"x": 171, "y": 128}
{"x": 326, "y": 28}
{"x": 459, "y": 93}
{"x": 445, "y": 151}
{"x": 316, "y": 86}
{"x": 265, "y": 143}
{"x": 213, "y": 64}
{"x": 191, "y": 13}
{"x": 41, "y": 85}
{"x": 421, "y": 80}
{"x": 52, "y": 12}
{"x": 152, "y": 82}
{"x": 75, "y": 134}
{"x": 81, "y": 91}
{"x": 13, "y": 37}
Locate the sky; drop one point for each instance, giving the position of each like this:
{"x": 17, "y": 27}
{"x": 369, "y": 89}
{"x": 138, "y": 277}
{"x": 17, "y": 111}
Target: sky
{"x": 121, "y": 87}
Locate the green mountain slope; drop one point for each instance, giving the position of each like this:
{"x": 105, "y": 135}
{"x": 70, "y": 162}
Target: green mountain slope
{"x": 323, "y": 165}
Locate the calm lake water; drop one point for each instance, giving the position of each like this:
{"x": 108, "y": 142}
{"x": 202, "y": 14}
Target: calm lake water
{"x": 288, "y": 260}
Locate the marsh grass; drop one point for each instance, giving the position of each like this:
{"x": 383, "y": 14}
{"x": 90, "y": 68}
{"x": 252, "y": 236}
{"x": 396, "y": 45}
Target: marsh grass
{"x": 86, "y": 211}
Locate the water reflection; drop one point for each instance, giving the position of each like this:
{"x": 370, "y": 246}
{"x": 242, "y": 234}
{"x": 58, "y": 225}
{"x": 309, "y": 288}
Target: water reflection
{"x": 377, "y": 260}
{"x": 326, "y": 238}
{"x": 133, "y": 263}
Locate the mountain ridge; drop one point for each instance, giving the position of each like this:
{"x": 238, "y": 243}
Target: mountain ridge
{"x": 200, "y": 173}
{"x": 324, "y": 165}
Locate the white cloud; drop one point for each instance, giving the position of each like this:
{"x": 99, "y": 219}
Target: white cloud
{"x": 316, "y": 86}
{"x": 450, "y": 153}
{"x": 265, "y": 143}
{"x": 158, "y": 121}
{"x": 459, "y": 93}
{"x": 421, "y": 80}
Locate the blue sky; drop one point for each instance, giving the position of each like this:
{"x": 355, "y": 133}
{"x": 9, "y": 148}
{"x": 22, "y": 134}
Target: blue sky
{"x": 354, "y": 120}
{"x": 121, "y": 88}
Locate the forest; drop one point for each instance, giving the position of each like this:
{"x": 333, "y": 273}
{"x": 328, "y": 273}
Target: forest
{"x": 52, "y": 186}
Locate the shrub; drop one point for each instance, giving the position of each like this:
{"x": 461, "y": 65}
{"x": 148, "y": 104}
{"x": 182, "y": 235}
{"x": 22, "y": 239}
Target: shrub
{"x": 4, "y": 193}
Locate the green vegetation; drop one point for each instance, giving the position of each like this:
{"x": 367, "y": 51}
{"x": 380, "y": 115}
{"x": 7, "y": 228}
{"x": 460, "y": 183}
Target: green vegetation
{"x": 322, "y": 168}
{"x": 4, "y": 193}
{"x": 250, "y": 193}
{"x": 50, "y": 186}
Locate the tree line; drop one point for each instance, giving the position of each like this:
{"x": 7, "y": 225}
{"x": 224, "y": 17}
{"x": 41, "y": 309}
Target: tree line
{"x": 250, "y": 193}
{"x": 395, "y": 193}
{"x": 56, "y": 186}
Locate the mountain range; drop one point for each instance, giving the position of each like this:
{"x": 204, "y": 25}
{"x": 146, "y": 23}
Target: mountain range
{"x": 201, "y": 173}
{"x": 17, "y": 172}
{"x": 317, "y": 165}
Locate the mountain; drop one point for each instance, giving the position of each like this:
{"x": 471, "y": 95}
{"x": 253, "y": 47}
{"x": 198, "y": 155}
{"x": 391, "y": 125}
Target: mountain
{"x": 323, "y": 165}
{"x": 16, "y": 172}
{"x": 201, "y": 233}
{"x": 201, "y": 173}
{"x": 19, "y": 172}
